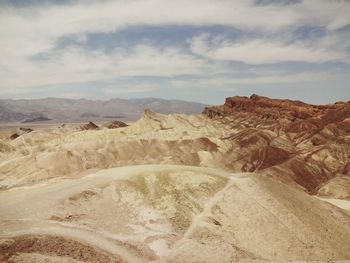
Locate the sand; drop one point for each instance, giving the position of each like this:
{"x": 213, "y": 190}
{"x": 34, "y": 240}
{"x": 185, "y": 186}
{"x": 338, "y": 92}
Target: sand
{"x": 169, "y": 189}
{"x": 169, "y": 213}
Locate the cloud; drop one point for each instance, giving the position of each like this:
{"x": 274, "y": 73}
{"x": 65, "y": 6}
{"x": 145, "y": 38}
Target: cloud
{"x": 128, "y": 88}
{"x": 76, "y": 65}
{"x": 31, "y": 30}
{"x": 233, "y": 82}
{"x": 262, "y": 51}
{"x": 33, "y": 59}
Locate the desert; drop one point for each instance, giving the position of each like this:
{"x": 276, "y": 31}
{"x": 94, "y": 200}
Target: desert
{"x": 152, "y": 131}
{"x": 227, "y": 185}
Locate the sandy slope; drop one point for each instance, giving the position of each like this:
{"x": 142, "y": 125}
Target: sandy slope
{"x": 60, "y": 202}
{"x": 169, "y": 213}
{"x": 237, "y": 143}
{"x": 344, "y": 204}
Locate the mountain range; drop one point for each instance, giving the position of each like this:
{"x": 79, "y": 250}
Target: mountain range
{"x": 253, "y": 180}
{"x": 77, "y": 110}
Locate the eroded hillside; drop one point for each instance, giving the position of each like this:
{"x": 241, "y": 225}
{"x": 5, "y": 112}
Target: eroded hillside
{"x": 167, "y": 213}
{"x": 309, "y": 144}
{"x": 302, "y": 145}
{"x": 231, "y": 184}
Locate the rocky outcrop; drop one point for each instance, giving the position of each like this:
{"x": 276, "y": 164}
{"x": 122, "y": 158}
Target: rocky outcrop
{"x": 115, "y": 124}
{"x": 280, "y": 109}
{"x": 308, "y": 144}
{"x": 25, "y": 130}
{"x": 305, "y": 151}
{"x": 187, "y": 212}
{"x": 90, "y": 126}
{"x": 20, "y": 131}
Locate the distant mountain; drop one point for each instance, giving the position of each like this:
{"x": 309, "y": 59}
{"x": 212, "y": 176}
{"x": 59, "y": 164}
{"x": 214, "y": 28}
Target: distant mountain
{"x": 36, "y": 119}
{"x": 75, "y": 110}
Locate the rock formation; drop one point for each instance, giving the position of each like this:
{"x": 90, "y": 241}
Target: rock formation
{"x": 115, "y": 124}
{"x": 90, "y": 126}
{"x": 170, "y": 213}
{"x": 276, "y": 109}
{"x": 230, "y": 185}
{"x": 14, "y": 136}
{"x": 313, "y": 140}
{"x": 20, "y": 131}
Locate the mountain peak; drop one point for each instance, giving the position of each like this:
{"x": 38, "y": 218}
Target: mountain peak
{"x": 267, "y": 108}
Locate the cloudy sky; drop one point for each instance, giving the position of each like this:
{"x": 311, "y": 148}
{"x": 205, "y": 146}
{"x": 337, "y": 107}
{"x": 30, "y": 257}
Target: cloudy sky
{"x": 200, "y": 50}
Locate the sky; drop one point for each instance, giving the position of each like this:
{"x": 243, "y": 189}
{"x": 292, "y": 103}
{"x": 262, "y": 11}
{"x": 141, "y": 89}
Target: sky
{"x": 197, "y": 50}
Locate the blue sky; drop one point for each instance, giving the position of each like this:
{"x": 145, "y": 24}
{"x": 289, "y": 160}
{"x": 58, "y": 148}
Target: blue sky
{"x": 200, "y": 50}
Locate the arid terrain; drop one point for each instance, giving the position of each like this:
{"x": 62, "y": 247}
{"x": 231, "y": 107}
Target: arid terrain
{"x": 252, "y": 180}
{"x": 54, "y": 110}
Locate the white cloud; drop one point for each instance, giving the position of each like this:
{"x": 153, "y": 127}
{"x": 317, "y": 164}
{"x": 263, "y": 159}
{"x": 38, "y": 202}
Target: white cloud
{"x": 258, "y": 51}
{"x": 29, "y": 32}
{"x": 150, "y": 61}
{"x": 264, "y": 77}
{"x": 74, "y": 65}
{"x": 332, "y": 14}
{"x": 128, "y": 88}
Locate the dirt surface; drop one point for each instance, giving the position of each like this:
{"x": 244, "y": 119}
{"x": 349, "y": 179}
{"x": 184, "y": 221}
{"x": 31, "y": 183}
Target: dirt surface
{"x": 169, "y": 213}
{"x": 55, "y": 246}
{"x": 236, "y": 143}
{"x": 178, "y": 188}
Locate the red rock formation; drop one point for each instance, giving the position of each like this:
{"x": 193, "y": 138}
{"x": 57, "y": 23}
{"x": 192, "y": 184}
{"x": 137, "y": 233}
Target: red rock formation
{"x": 306, "y": 143}
{"x": 280, "y": 109}
{"x": 90, "y": 126}
{"x": 115, "y": 125}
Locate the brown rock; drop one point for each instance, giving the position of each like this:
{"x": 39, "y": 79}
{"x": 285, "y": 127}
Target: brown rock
{"x": 115, "y": 125}
{"x": 25, "y": 130}
{"x": 280, "y": 109}
{"x": 14, "y": 136}
{"x": 291, "y": 140}
{"x": 20, "y": 132}
{"x": 90, "y": 126}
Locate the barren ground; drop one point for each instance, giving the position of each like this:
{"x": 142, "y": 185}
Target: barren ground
{"x": 169, "y": 189}
{"x": 169, "y": 213}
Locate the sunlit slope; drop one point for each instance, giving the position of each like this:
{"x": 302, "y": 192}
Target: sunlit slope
{"x": 174, "y": 213}
{"x": 237, "y": 143}
{"x": 154, "y": 139}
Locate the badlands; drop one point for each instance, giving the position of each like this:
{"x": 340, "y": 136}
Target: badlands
{"x": 253, "y": 180}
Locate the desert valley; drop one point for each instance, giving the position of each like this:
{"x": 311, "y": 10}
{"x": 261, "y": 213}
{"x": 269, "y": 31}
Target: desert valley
{"x": 253, "y": 180}
{"x": 139, "y": 131}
